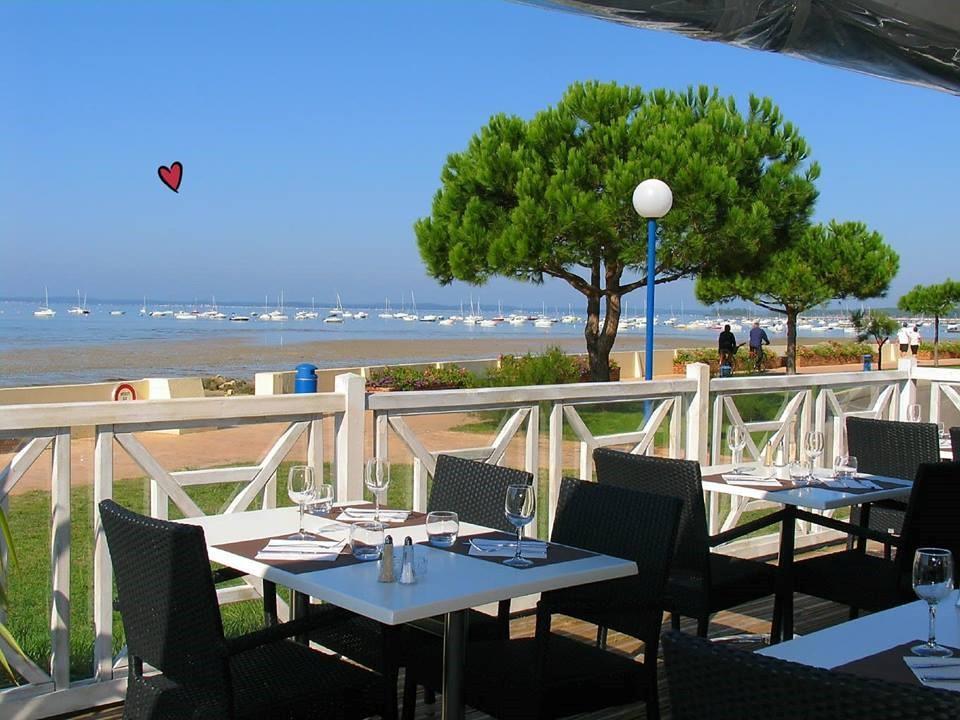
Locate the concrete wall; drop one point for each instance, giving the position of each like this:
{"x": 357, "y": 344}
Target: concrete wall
{"x": 146, "y": 389}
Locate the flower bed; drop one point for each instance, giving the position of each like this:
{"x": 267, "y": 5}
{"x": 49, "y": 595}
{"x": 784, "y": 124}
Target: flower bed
{"x": 741, "y": 361}
{"x": 414, "y": 378}
{"x": 948, "y": 349}
{"x": 826, "y": 353}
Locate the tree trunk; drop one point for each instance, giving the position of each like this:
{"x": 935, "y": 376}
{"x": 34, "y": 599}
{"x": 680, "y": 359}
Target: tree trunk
{"x": 599, "y": 358}
{"x": 791, "y": 341}
{"x": 880, "y": 353}
{"x": 936, "y": 341}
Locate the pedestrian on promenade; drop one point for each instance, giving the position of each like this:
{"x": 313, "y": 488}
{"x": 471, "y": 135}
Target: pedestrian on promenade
{"x": 915, "y": 340}
{"x": 903, "y": 339}
{"x": 758, "y": 338}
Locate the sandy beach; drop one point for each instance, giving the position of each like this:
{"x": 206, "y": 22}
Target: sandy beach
{"x": 243, "y": 357}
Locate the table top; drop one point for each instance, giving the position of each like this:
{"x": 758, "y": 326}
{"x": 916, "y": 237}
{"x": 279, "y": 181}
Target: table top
{"x": 869, "y": 635}
{"x": 814, "y": 498}
{"x": 452, "y": 581}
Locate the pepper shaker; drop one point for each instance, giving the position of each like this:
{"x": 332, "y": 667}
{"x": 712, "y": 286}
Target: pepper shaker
{"x": 407, "y": 575}
{"x": 386, "y": 562}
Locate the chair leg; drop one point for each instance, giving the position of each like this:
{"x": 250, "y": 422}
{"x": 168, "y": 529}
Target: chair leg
{"x": 650, "y": 671}
{"x": 854, "y": 613}
{"x": 675, "y": 621}
{"x": 776, "y": 627}
{"x": 703, "y": 625}
{"x": 409, "y": 696}
{"x": 429, "y": 696}
{"x": 601, "y": 637}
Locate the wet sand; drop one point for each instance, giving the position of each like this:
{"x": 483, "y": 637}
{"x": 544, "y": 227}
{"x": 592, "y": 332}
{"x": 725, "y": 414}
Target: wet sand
{"x": 238, "y": 357}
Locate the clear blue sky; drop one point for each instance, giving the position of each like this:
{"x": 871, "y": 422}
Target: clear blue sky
{"x": 313, "y": 133}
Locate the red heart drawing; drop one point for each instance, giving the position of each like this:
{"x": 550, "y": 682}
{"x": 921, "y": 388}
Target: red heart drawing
{"x": 171, "y": 176}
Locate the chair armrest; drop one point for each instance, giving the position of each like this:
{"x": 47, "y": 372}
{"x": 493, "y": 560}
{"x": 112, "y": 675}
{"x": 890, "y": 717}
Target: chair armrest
{"x": 746, "y": 528}
{"x": 225, "y": 573}
{"x": 271, "y": 634}
{"x": 858, "y": 530}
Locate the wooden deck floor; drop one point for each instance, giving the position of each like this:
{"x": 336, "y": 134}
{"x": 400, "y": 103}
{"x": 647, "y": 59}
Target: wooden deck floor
{"x": 811, "y": 614}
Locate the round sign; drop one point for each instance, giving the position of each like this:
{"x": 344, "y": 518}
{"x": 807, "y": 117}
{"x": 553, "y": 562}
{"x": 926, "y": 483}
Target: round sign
{"x": 124, "y": 391}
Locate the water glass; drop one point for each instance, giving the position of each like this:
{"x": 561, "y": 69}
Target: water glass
{"x": 366, "y": 540}
{"x": 301, "y": 487}
{"x": 798, "y": 474}
{"x": 323, "y": 497}
{"x": 443, "y": 527}
{"x": 913, "y": 413}
{"x": 845, "y": 467}
{"x": 519, "y": 505}
{"x": 377, "y": 480}
{"x": 932, "y": 581}
{"x": 736, "y": 441}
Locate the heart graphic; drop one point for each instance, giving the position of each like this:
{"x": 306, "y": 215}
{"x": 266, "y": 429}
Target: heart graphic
{"x": 171, "y": 176}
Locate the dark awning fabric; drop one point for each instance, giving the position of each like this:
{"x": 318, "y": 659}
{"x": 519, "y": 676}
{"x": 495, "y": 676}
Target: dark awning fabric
{"x": 913, "y": 41}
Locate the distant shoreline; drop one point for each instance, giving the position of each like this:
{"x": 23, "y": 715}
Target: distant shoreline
{"x": 242, "y": 357}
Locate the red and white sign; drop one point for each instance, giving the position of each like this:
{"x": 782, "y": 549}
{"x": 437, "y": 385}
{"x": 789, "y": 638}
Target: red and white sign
{"x": 124, "y": 391}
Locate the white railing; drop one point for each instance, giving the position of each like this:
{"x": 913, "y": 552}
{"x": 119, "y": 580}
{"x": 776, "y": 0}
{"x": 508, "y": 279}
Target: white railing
{"x": 691, "y": 410}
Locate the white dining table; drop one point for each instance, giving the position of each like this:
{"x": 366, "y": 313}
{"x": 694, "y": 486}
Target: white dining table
{"x": 810, "y": 498}
{"x": 452, "y": 583}
{"x": 871, "y": 634}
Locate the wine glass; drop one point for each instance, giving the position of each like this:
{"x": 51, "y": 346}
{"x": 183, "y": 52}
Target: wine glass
{"x": 301, "y": 487}
{"x": 519, "y": 506}
{"x": 736, "y": 441}
{"x": 377, "y": 480}
{"x": 813, "y": 447}
{"x": 932, "y": 581}
{"x": 913, "y": 413}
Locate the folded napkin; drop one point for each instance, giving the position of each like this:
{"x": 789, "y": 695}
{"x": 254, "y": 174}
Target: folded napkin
{"x": 352, "y": 513}
{"x": 860, "y": 483}
{"x": 747, "y": 479}
{"x": 317, "y": 550}
{"x": 486, "y": 547}
{"x": 936, "y": 672}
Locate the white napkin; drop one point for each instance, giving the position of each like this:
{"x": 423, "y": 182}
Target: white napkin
{"x": 936, "y": 672}
{"x": 746, "y": 479}
{"x": 485, "y": 547}
{"x": 284, "y": 549}
{"x": 388, "y": 516}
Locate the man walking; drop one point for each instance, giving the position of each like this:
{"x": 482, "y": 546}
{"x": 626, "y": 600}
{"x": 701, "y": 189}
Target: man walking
{"x": 915, "y": 340}
{"x": 758, "y": 338}
{"x": 903, "y": 339}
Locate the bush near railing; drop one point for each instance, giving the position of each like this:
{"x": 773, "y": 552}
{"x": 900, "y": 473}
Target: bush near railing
{"x": 833, "y": 353}
{"x": 741, "y": 361}
{"x": 551, "y": 367}
{"x": 948, "y": 349}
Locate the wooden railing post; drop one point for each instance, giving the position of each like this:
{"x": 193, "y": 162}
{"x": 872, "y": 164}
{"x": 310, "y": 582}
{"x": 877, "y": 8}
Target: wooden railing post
{"x": 60, "y": 561}
{"x": 908, "y": 390}
{"x": 349, "y": 437}
{"x": 102, "y": 570}
{"x": 555, "y": 462}
{"x": 698, "y": 413}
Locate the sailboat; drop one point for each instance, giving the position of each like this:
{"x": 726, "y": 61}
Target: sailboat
{"x": 310, "y": 314}
{"x": 336, "y": 314}
{"x": 387, "y": 313}
{"x": 45, "y": 311}
{"x": 278, "y": 315}
{"x": 412, "y": 315}
{"x": 79, "y": 309}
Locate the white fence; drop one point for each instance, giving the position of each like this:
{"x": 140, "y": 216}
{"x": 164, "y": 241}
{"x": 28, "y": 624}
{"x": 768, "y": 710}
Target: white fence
{"x": 682, "y": 417}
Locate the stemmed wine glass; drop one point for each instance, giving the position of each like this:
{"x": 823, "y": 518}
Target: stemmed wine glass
{"x": 736, "y": 441}
{"x": 377, "y": 480}
{"x": 813, "y": 447}
{"x": 301, "y": 487}
{"x": 932, "y": 581}
{"x": 519, "y": 506}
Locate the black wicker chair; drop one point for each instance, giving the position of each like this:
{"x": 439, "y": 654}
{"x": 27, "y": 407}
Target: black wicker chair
{"x": 701, "y": 582}
{"x": 550, "y": 676}
{"x": 475, "y": 491}
{"x": 955, "y": 443}
{"x": 874, "y": 583}
{"x": 168, "y": 604}
{"x": 710, "y": 681}
{"x": 894, "y": 449}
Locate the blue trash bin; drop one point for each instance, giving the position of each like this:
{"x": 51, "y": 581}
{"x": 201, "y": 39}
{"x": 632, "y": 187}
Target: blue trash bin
{"x": 726, "y": 370}
{"x": 306, "y": 381}
{"x": 867, "y": 362}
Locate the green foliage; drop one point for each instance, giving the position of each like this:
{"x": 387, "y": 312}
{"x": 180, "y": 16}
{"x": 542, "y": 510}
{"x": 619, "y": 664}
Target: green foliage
{"x": 552, "y": 195}
{"x": 552, "y": 367}
{"x": 6, "y": 538}
{"x": 876, "y": 325}
{"x": 831, "y": 262}
{"x": 937, "y": 300}
{"x": 401, "y": 377}
{"x": 742, "y": 362}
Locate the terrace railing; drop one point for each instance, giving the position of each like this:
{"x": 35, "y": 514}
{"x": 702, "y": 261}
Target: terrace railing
{"x": 681, "y": 417}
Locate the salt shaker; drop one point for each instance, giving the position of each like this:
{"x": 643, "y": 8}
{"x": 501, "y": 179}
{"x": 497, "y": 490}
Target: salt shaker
{"x": 407, "y": 575}
{"x": 386, "y": 562}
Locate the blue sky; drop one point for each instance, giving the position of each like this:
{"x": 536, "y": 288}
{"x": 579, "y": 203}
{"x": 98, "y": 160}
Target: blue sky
{"x": 313, "y": 133}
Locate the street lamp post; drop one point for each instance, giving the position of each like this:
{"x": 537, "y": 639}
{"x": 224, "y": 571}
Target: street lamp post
{"x": 652, "y": 199}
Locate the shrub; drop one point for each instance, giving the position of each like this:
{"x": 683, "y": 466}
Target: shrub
{"x": 552, "y": 367}
{"x": 415, "y": 378}
{"x": 741, "y": 360}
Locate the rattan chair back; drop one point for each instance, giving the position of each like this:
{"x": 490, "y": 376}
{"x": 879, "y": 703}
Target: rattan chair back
{"x": 933, "y": 513}
{"x": 892, "y": 448}
{"x": 474, "y": 490}
{"x": 716, "y": 681}
{"x": 955, "y": 443}
{"x": 678, "y": 479}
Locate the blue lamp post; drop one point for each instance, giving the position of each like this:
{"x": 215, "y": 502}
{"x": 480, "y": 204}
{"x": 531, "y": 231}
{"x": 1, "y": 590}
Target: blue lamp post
{"x": 652, "y": 199}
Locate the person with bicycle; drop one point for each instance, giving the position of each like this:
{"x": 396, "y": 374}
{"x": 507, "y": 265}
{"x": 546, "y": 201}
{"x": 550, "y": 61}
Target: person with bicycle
{"x": 758, "y": 338}
{"x": 727, "y": 347}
